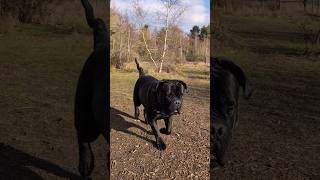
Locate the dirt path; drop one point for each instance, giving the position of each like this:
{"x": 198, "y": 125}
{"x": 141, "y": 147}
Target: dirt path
{"x": 37, "y": 135}
{"x": 278, "y": 132}
{"x": 133, "y": 155}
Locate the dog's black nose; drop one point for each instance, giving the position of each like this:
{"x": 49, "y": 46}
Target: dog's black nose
{"x": 177, "y": 103}
{"x": 218, "y": 130}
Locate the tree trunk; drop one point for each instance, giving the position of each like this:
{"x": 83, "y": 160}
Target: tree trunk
{"x": 195, "y": 46}
{"x": 128, "y": 45}
{"x": 164, "y": 49}
{"x": 181, "y": 49}
{"x": 206, "y": 50}
{"x": 113, "y": 45}
{"x": 119, "y": 64}
{"x": 165, "y": 41}
{"x": 149, "y": 52}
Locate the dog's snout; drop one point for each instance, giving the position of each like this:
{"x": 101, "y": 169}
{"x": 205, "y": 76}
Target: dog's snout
{"x": 220, "y": 137}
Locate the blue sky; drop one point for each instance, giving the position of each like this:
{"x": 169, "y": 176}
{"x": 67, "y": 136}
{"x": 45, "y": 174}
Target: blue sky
{"x": 197, "y": 13}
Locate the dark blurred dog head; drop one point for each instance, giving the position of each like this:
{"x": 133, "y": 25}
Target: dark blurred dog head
{"x": 226, "y": 81}
{"x": 169, "y": 95}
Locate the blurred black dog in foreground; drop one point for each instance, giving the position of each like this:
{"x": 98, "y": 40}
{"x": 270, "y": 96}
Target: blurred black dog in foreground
{"x": 161, "y": 100}
{"x": 91, "y": 101}
{"x": 226, "y": 81}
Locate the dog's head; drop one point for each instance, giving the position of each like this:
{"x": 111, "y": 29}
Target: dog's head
{"x": 169, "y": 95}
{"x": 227, "y": 79}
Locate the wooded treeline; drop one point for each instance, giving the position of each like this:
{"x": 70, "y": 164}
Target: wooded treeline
{"x": 48, "y": 11}
{"x": 129, "y": 41}
{"x": 165, "y": 44}
{"x": 310, "y": 6}
{"x": 306, "y": 13}
{"x": 26, "y": 11}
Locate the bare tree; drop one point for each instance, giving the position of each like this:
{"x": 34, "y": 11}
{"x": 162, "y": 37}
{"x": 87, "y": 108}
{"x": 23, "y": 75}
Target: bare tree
{"x": 140, "y": 15}
{"x": 173, "y": 9}
{"x": 133, "y": 36}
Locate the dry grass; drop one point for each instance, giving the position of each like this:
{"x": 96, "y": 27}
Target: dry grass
{"x": 193, "y": 72}
{"x": 7, "y": 24}
{"x": 196, "y": 76}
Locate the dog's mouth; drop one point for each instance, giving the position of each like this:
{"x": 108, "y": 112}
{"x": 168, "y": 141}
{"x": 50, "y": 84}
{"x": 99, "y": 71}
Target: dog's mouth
{"x": 216, "y": 162}
{"x": 175, "y": 112}
{"x": 168, "y": 114}
{"x": 162, "y": 113}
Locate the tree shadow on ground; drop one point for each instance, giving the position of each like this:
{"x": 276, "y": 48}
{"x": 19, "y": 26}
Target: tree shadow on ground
{"x": 118, "y": 123}
{"x": 14, "y": 164}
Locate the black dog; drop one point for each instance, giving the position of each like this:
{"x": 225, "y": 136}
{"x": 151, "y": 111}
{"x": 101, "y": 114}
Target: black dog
{"x": 226, "y": 80}
{"x": 91, "y": 101}
{"x": 161, "y": 100}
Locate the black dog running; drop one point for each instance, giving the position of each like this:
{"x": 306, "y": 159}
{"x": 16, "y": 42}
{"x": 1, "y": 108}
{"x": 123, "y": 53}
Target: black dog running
{"x": 161, "y": 100}
{"x": 226, "y": 80}
{"x": 91, "y": 101}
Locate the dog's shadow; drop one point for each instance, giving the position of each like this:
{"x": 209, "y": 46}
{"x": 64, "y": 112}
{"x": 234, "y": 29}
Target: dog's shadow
{"x": 15, "y": 164}
{"x": 118, "y": 123}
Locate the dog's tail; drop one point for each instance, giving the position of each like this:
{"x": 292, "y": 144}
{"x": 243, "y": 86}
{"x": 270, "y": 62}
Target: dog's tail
{"x": 89, "y": 12}
{"x": 141, "y": 72}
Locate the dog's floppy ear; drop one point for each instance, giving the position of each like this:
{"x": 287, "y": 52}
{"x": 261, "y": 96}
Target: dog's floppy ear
{"x": 184, "y": 87}
{"x": 241, "y": 77}
{"x": 160, "y": 85}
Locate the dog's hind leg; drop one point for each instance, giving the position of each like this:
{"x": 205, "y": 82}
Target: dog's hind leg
{"x": 86, "y": 159}
{"x": 136, "y": 102}
{"x": 86, "y": 134}
{"x": 136, "y": 111}
{"x": 106, "y": 135}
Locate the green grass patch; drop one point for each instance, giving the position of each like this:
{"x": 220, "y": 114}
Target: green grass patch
{"x": 266, "y": 35}
{"x": 123, "y": 81}
{"x": 34, "y": 64}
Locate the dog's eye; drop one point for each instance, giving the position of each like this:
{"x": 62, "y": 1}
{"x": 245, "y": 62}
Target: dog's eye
{"x": 230, "y": 103}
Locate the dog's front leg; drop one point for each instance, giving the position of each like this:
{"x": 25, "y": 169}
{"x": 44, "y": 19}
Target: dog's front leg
{"x": 159, "y": 142}
{"x": 168, "y": 128}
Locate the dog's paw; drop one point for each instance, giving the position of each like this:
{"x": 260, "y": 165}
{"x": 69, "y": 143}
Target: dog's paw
{"x": 86, "y": 161}
{"x": 160, "y": 144}
{"x": 136, "y": 115}
{"x": 164, "y": 131}
{"x": 85, "y": 170}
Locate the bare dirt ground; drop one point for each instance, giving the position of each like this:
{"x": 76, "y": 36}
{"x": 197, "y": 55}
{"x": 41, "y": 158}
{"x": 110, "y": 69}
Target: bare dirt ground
{"x": 39, "y": 68}
{"x": 133, "y": 154}
{"x": 278, "y": 135}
